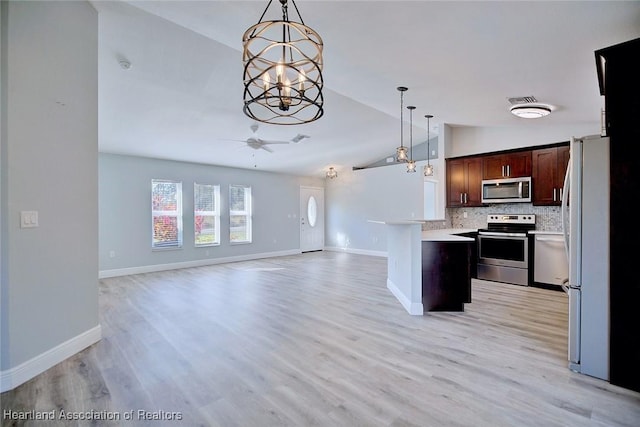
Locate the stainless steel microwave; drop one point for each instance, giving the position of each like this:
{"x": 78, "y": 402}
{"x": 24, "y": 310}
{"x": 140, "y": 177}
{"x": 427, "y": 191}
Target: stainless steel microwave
{"x": 506, "y": 190}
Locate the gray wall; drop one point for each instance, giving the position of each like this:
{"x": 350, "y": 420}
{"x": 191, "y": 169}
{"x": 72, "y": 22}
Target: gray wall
{"x": 125, "y": 213}
{"x": 49, "y": 159}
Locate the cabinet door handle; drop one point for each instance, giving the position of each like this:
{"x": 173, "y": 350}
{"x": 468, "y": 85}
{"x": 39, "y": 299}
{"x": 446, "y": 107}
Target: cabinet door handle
{"x": 508, "y": 170}
{"x": 461, "y": 195}
{"x": 465, "y": 198}
{"x": 561, "y": 191}
{"x": 554, "y": 194}
{"x": 502, "y": 170}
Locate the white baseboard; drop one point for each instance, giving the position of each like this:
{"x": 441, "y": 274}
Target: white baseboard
{"x": 22, "y": 373}
{"x": 382, "y": 254}
{"x": 413, "y": 308}
{"x": 103, "y": 274}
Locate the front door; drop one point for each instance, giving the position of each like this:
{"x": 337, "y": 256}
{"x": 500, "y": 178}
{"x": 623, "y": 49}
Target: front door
{"x": 311, "y": 219}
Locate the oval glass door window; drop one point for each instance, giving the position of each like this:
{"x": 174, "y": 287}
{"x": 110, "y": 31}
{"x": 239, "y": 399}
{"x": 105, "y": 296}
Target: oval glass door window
{"x": 312, "y": 211}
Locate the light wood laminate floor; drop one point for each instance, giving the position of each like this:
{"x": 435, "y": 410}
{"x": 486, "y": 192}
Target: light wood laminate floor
{"x": 317, "y": 340}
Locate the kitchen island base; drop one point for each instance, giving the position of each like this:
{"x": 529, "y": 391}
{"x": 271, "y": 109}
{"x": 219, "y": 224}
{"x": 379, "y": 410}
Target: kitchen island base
{"x": 446, "y": 275}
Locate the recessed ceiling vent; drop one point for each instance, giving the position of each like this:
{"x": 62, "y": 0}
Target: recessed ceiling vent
{"x": 523, "y": 100}
{"x": 528, "y": 107}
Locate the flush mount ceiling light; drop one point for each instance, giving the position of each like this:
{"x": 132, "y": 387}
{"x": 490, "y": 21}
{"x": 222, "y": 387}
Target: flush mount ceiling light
{"x": 528, "y": 107}
{"x": 282, "y": 70}
{"x": 531, "y": 111}
{"x": 401, "y": 152}
{"x": 332, "y": 173}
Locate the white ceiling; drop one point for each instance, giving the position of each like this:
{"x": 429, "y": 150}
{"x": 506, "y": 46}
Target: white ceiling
{"x": 182, "y": 97}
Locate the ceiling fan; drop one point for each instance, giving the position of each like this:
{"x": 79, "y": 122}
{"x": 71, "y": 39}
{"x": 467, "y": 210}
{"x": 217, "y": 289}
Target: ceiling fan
{"x": 261, "y": 144}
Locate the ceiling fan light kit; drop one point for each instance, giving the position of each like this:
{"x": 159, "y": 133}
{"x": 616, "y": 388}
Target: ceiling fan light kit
{"x": 282, "y": 70}
{"x": 258, "y": 143}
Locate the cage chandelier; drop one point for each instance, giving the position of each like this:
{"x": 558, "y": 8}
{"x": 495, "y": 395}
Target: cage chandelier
{"x": 282, "y": 70}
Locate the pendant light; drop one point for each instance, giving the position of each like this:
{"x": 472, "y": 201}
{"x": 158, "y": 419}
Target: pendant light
{"x": 282, "y": 70}
{"x": 411, "y": 164}
{"x": 428, "y": 170}
{"x": 401, "y": 152}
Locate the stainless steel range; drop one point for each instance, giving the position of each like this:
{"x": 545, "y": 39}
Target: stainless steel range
{"x": 503, "y": 248}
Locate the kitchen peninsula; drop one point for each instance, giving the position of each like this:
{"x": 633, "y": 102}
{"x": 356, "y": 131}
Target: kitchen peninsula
{"x": 429, "y": 270}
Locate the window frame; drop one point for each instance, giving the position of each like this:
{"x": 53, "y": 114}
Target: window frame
{"x": 214, "y": 213}
{"x": 247, "y": 213}
{"x": 177, "y": 213}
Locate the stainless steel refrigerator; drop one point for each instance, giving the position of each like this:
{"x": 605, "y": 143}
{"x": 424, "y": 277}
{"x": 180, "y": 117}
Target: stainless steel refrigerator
{"x": 585, "y": 221}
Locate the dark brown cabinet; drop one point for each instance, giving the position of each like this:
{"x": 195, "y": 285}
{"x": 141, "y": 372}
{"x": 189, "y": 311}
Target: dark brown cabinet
{"x": 446, "y": 275}
{"x": 464, "y": 182}
{"x": 548, "y": 169}
{"x": 507, "y": 165}
{"x": 620, "y": 85}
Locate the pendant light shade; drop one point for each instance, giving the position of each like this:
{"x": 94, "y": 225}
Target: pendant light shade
{"x": 411, "y": 164}
{"x": 401, "y": 151}
{"x": 282, "y": 70}
{"x": 428, "y": 169}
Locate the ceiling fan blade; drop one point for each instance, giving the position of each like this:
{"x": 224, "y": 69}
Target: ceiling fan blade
{"x": 299, "y": 137}
{"x": 266, "y": 148}
{"x": 263, "y": 141}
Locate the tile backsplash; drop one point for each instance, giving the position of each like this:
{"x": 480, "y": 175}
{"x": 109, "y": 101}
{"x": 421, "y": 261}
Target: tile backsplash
{"x": 548, "y": 218}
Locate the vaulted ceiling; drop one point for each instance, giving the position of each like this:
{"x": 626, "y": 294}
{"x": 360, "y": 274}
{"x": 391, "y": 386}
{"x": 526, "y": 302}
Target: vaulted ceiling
{"x": 181, "y": 98}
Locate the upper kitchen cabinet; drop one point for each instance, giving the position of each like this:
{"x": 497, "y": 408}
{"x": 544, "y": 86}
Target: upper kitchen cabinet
{"x": 507, "y": 165}
{"x": 464, "y": 182}
{"x": 548, "y": 169}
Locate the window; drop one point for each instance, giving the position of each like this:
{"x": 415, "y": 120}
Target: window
{"x": 206, "y": 214}
{"x": 239, "y": 214}
{"x": 166, "y": 210}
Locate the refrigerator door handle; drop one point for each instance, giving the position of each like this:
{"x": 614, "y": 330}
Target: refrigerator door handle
{"x": 564, "y": 209}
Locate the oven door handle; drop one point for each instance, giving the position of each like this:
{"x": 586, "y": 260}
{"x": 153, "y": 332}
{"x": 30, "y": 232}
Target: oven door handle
{"x": 501, "y": 234}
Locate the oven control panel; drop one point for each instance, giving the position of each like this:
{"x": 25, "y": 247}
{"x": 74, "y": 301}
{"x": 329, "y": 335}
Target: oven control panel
{"x": 511, "y": 219}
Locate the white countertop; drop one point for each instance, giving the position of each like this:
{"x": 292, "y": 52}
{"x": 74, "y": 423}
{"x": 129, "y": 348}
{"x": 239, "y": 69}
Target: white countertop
{"x": 398, "y": 222}
{"x": 555, "y": 233}
{"x": 447, "y": 235}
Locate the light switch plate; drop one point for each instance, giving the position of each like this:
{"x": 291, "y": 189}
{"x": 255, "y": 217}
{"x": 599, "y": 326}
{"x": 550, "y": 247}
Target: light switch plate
{"x": 28, "y": 219}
